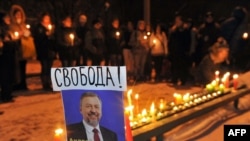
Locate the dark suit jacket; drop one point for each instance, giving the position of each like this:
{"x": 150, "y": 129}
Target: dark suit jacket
{"x": 77, "y": 132}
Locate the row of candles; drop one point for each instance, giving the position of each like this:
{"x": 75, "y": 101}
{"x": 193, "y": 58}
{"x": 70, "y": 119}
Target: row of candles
{"x": 181, "y": 102}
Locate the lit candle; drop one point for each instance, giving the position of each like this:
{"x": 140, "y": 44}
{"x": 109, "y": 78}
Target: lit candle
{"x": 178, "y": 98}
{"x": 154, "y": 41}
{"x": 144, "y": 113}
{"x": 58, "y": 134}
{"x": 145, "y": 37}
{"x": 49, "y": 27}
{"x": 210, "y": 88}
{"x": 16, "y": 34}
{"x": 245, "y": 35}
{"x": 137, "y": 103}
{"x": 235, "y": 81}
{"x": 148, "y": 33}
{"x": 217, "y": 73}
{"x": 117, "y": 33}
{"x": 186, "y": 97}
{"x": 72, "y": 37}
{"x": 221, "y": 88}
{"x": 27, "y": 26}
{"x": 129, "y": 93}
{"x": 152, "y": 109}
{"x": 226, "y": 80}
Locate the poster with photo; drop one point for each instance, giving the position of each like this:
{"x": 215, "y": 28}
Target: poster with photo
{"x": 93, "y": 101}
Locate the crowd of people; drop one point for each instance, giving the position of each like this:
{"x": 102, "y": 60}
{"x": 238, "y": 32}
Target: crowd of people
{"x": 150, "y": 52}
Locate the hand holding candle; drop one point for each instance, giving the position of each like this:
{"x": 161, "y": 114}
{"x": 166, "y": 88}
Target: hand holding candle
{"x": 235, "y": 81}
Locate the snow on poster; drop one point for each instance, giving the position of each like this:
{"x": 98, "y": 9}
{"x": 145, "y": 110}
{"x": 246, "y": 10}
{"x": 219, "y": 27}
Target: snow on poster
{"x": 93, "y": 101}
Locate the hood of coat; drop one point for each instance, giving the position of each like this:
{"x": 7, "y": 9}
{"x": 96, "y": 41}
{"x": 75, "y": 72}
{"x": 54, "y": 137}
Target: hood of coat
{"x": 13, "y": 10}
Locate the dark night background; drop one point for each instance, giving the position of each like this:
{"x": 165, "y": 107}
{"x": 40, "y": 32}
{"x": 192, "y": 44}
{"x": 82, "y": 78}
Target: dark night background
{"x": 161, "y": 10}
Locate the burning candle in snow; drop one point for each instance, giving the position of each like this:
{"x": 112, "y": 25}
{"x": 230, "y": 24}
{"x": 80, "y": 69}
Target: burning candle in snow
{"x": 217, "y": 73}
{"x": 226, "y": 80}
{"x": 137, "y": 103}
{"x": 72, "y": 37}
{"x": 152, "y": 110}
{"x": 178, "y": 98}
{"x": 235, "y": 81}
{"x": 58, "y": 134}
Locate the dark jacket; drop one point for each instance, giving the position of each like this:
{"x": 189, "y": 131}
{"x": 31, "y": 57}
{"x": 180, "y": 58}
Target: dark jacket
{"x": 77, "y": 132}
{"x": 45, "y": 47}
{"x": 95, "y": 43}
{"x": 114, "y": 41}
{"x": 67, "y": 48}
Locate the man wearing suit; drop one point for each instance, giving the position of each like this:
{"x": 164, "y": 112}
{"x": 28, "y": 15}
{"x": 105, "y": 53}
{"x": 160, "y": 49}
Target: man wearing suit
{"x": 89, "y": 129}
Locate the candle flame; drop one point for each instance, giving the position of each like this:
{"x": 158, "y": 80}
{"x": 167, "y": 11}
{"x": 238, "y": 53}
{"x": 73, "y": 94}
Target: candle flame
{"x": 71, "y": 36}
{"x": 245, "y": 35}
{"x": 148, "y": 33}
{"x": 145, "y": 37}
{"x": 117, "y": 33}
{"x": 59, "y": 131}
{"x": 16, "y": 34}
{"x": 28, "y": 26}
{"x": 144, "y": 112}
{"x": 49, "y": 26}
{"x": 154, "y": 41}
{"x": 136, "y": 96}
{"x": 235, "y": 76}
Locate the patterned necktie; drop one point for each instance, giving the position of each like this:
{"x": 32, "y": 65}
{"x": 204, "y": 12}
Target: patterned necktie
{"x": 96, "y": 136}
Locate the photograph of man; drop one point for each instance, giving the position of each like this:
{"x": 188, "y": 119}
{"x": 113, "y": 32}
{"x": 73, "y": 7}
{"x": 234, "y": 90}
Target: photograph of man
{"x": 89, "y": 129}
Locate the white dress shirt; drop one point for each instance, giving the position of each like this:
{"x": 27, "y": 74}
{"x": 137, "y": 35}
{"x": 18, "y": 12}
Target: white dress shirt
{"x": 90, "y": 133}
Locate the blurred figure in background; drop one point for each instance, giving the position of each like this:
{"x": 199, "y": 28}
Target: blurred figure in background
{"x": 217, "y": 59}
{"x": 179, "y": 46}
{"x": 140, "y": 47}
{"x": 233, "y": 29}
{"x": 18, "y": 26}
{"x": 208, "y": 33}
{"x": 115, "y": 41}
{"x": 45, "y": 47}
{"x": 159, "y": 49}
{"x": 68, "y": 42}
{"x": 9, "y": 45}
{"x": 81, "y": 30}
{"x": 127, "y": 51}
{"x": 95, "y": 43}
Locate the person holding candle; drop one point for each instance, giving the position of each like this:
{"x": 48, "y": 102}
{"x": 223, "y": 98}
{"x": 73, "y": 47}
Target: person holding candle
{"x": 81, "y": 30}
{"x": 140, "y": 47}
{"x": 27, "y": 50}
{"x": 158, "y": 49}
{"x": 95, "y": 43}
{"x": 45, "y": 48}
{"x": 68, "y": 42}
{"x": 216, "y": 60}
{"x": 179, "y": 46}
{"x": 91, "y": 110}
{"x": 8, "y": 58}
{"x": 115, "y": 41}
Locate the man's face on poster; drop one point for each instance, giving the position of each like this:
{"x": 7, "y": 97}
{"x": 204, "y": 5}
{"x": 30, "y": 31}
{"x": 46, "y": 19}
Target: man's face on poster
{"x": 91, "y": 110}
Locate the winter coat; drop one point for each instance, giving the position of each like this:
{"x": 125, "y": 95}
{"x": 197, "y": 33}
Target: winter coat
{"x": 45, "y": 46}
